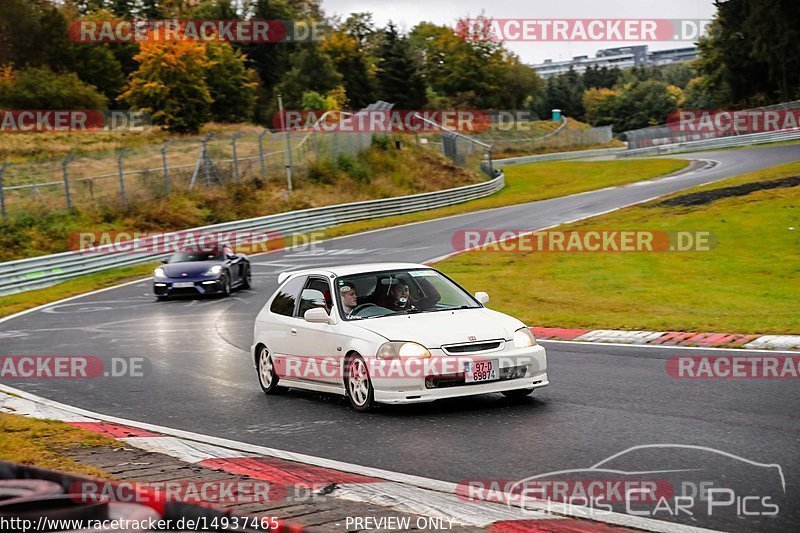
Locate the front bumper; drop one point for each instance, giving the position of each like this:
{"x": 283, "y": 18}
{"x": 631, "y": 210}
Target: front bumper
{"x": 199, "y": 286}
{"x": 524, "y": 368}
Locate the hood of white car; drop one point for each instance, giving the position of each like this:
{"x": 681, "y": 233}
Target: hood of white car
{"x": 432, "y": 330}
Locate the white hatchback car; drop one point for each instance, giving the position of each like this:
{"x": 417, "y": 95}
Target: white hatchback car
{"x": 390, "y": 333}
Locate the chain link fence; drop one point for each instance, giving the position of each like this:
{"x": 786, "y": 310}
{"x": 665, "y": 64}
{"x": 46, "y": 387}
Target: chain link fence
{"x": 138, "y": 174}
{"x": 521, "y": 137}
{"x": 670, "y": 134}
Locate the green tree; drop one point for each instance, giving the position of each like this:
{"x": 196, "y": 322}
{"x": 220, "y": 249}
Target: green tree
{"x": 600, "y": 105}
{"x": 564, "y": 92}
{"x": 170, "y": 84}
{"x": 41, "y": 88}
{"x": 311, "y": 70}
{"x": 645, "y": 103}
{"x": 399, "y": 79}
{"x": 600, "y": 77}
{"x": 230, "y": 83}
{"x": 751, "y": 52}
{"x": 351, "y": 61}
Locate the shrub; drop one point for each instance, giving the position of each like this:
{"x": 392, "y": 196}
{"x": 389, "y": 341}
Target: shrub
{"x": 41, "y": 88}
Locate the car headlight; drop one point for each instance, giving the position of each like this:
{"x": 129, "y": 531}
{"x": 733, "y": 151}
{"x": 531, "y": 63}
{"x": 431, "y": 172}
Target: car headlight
{"x": 523, "y": 338}
{"x": 393, "y": 350}
{"x": 216, "y": 269}
{"x": 159, "y": 273}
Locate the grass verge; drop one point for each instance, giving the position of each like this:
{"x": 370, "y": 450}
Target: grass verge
{"x": 748, "y": 283}
{"x": 45, "y": 443}
{"x": 524, "y": 183}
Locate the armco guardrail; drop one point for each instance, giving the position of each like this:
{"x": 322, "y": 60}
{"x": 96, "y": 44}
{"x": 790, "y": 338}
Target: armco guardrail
{"x": 37, "y": 272}
{"x": 558, "y": 156}
{"x": 749, "y": 139}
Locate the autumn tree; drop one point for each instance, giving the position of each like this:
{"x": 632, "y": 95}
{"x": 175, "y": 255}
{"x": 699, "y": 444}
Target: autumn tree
{"x": 170, "y": 84}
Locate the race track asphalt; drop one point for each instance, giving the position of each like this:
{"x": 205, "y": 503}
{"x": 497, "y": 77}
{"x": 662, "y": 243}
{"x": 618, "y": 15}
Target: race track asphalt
{"x": 602, "y": 399}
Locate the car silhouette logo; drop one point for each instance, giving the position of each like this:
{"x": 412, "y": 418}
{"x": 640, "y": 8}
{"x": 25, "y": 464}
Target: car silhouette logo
{"x": 184, "y": 274}
{"x": 472, "y": 338}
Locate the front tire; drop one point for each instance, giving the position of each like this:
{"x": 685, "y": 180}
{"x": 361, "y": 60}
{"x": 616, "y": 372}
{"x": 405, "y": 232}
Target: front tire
{"x": 226, "y": 285}
{"x": 517, "y": 394}
{"x": 266, "y": 373}
{"x": 248, "y": 278}
{"x": 358, "y": 385}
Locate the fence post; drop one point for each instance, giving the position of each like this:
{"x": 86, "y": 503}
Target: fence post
{"x": 235, "y": 136}
{"x": 164, "y": 148}
{"x": 288, "y": 156}
{"x": 65, "y": 173}
{"x": 261, "y": 153}
{"x": 122, "y": 178}
{"x": 206, "y": 170}
{"x": 2, "y": 192}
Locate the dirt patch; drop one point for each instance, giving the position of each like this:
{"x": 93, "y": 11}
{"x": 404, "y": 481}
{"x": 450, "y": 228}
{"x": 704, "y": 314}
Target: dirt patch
{"x": 706, "y": 197}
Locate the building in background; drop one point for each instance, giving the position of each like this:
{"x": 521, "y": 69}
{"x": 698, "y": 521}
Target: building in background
{"x": 621, "y": 57}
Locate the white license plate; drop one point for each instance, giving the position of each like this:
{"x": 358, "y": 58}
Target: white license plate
{"x": 477, "y": 371}
{"x": 183, "y": 284}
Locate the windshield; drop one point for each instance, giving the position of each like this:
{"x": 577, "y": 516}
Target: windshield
{"x": 201, "y": 256}
{"x": 394, "y": 292}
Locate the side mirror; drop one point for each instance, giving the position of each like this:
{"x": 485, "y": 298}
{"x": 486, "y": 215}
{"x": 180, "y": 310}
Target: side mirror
{"x": 165, "y": 261}
{"x": 317, "y": 315}
{"x": 482, "y": 297}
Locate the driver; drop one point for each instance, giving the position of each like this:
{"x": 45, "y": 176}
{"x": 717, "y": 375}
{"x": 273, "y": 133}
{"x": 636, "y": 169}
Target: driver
{"x": 400, "y": 296}
{"x": 349, "y": 297}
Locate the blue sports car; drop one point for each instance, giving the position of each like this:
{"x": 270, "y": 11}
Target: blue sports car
{"x": 200, "y": 273}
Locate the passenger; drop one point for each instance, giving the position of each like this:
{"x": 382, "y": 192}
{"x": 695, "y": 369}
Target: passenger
{"x": 349, "y": 297}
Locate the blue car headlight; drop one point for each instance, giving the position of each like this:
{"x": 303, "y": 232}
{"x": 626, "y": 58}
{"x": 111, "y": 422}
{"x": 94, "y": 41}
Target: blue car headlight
{"x": 213, "y": 271}
{"x": 159, "y": 273}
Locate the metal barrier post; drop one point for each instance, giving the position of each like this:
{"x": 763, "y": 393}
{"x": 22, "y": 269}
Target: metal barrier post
{"x": 261, "y": 153}
{"x": 164, "y": 148}
{"x": 235, "y": 136}
{"x": 65, "y": 173}
{"x": 2, "y": 193}
{"x": 288, "y": 156}
{"x": 122, "y": 178}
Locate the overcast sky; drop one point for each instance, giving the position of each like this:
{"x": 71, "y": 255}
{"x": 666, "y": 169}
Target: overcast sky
{"x": 407, "y": 13}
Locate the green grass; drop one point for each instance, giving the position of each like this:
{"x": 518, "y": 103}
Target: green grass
{"x": 524, "y": 183}
{"x": 536, "y": 181}
{"x": 748, "y": 283}
{"x": 15, "y": 303}
{"x": 45, "y": 443}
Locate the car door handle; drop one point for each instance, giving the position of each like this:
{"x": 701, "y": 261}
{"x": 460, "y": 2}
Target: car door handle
{"x": 294, "y": 331}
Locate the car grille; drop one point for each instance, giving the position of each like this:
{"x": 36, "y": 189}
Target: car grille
{"x": 473, "y": 347}
{"x": 457, "y": 380}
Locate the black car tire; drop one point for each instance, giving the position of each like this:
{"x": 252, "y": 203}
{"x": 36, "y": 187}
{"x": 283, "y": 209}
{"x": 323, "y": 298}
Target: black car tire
{"x": 247, "y": 279}
{"x": 226, "y": 285}
{"x": 517, "y": 394}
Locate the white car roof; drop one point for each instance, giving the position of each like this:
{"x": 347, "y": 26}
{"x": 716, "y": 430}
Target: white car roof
{"x": 348, "y": 270}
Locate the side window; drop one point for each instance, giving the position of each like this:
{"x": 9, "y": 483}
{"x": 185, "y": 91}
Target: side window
{"x": 285, "y": 300}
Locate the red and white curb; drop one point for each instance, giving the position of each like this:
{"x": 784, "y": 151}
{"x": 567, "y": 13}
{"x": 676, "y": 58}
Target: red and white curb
{"x": 672, "y": 338}
{"x": 397, "y": 491}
